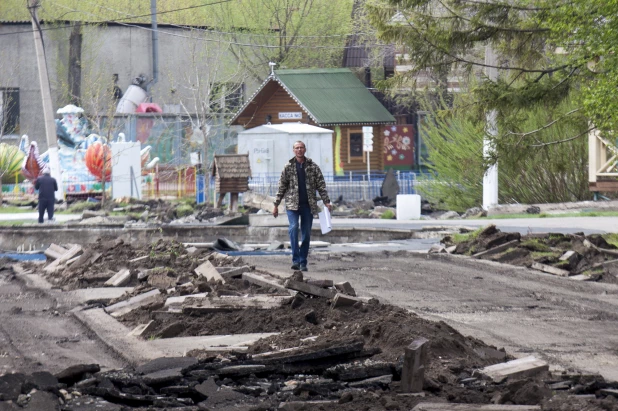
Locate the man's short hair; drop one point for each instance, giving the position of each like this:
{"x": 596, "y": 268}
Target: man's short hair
{"x": 299, "y": 141}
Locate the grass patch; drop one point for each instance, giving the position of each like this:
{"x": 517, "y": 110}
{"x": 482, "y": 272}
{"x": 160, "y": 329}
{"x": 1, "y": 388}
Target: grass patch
{"x": 184, "y": 210}
{"x": 388, "y": 215}
{"x": 16, "y": 210}
{"x": 16, "y": 222}
{"x": 548, "y": 215}
{"x": 541, "y": 254}
{"x": 534, "y": 244}
{"x": 463, "y": 237}
{"x": 611, "y": 238}
{"x": 81, "y": 206}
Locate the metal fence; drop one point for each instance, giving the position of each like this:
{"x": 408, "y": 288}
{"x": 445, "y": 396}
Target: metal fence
{"x": 183, "y": 182}
{"x": 352, "y": 186}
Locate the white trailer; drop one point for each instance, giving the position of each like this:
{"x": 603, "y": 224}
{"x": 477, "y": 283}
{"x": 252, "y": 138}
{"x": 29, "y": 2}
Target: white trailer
{"x": 270, "y": 146}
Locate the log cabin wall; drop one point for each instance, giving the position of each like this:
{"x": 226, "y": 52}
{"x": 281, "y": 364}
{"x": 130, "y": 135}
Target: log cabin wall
{"x": 279, "y": 101}
{"x": 352, "y": 156}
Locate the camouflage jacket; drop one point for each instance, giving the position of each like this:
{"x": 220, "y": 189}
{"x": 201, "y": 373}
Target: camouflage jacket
{"x": 288, "y": 185}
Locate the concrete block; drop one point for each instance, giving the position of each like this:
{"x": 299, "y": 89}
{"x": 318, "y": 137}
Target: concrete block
{"x": 413, "y": 372}
{"x": 306, "y": 405}
{"x": 234, "y": 272}
{"x": 94, "y": 295}
{"x": 227, "y": 303}
{"x": 139, "y": 259}
{"x": 342, "y": 300}
{"x": 72, "y": 252}
{"x": 609, "y": 391}
{"x": 263, "y": 281}
{"x": 345, "y": 288}
{"x": 310, "y": 289}
{"x": 179, "y": 346}
{"x": 132, "y": 303}
{"x": 571, "y": 256}
{"x": 321, "y": 283}
{"x": 119, "y": 279}
{"x": 551, "y": 270}
{"x": 181, "y": 299}
{"x": 143, "y": 329}
{"x": 429, "y": 406}
{"x": 521, "y": 367}
{"x": 209, "y": 271}
{"x": 55, "y": 251}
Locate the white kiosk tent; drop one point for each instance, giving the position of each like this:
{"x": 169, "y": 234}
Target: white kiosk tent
{"x": 270, "y": 146}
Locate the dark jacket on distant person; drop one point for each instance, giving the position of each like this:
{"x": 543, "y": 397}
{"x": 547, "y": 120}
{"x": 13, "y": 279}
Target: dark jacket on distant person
{"x": 46, "y": 185}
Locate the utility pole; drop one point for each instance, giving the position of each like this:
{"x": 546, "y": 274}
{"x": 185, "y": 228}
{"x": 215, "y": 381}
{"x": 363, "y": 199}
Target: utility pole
{"x": 48, "y": 110}
{"x": 490, "y": 179}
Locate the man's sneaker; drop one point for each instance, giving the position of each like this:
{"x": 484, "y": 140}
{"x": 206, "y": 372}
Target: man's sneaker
{"x": 303, "y": 268}
{"x": 295, "y": 267}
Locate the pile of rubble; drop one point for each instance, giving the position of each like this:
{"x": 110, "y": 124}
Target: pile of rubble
{"x": 326, "y": 347}
{"x": 576, "y": 256}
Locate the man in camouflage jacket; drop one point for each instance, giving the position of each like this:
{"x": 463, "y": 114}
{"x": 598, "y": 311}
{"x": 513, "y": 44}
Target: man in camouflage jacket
{"x": 300, "y": 179}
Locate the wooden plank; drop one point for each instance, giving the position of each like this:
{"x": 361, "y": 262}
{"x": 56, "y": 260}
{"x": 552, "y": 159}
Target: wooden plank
{"x": 55, "y": 251}
{"x": 550, "y": 270}
{"x": 430, "y": 406}
{"x": 413, "y": 372}
{"x": 521, "y": 367}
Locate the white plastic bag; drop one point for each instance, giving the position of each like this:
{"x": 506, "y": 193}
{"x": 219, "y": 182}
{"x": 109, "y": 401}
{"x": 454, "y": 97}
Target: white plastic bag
{"x": 325, "y": 222}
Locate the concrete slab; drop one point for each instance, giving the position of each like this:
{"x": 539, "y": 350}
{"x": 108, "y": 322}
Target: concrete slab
{"x": 132, "y": 303}
{"x": 180, "y": 346}
{"x": 209, "y": 271}
{"x": 95, "y": 295}
{"x": 343, "y": 300}
{"x": 550, "y": 269}
{"x": 142, "y": 329}
{"x": 310, "y": 289}
{"x": 224, "y": 303}
{"x": 115, "y": 335}
{"x": 429, "y": 406}
{"x": 263, "y": 281}
{"x": 120, "y": 278}
{"x": 181, "y": 299}
{"x": 521, "y": 367}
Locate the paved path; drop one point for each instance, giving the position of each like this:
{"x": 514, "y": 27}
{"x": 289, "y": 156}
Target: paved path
{"x": 589, "y": 225}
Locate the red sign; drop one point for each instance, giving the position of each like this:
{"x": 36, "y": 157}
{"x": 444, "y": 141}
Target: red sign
{"x": 398, "y": 146}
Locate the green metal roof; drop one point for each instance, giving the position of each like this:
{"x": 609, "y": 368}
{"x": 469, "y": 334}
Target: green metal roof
{"x": 333, "y": 96}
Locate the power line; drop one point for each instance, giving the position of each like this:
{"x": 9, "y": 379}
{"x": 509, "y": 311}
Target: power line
{"x": 127, "y": 18}
{"x": 253, "y": 45}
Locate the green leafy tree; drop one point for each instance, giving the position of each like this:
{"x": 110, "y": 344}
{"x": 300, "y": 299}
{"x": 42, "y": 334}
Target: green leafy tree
{"x": 533, "y": 170}
{"x": 549, "y": 51}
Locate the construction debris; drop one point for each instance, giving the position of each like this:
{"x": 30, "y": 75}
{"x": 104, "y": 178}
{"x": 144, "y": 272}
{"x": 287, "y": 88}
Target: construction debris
{"x": 260, "y": 344}
{"x": 579, "y": 257}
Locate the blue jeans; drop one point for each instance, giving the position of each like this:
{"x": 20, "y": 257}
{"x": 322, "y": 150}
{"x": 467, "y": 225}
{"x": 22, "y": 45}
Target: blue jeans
{"x": 299, "y": 254}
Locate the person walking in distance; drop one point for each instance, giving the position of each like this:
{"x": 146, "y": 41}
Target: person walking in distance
{"x": 300, "y": 179}
{"x": 46, "y": 185}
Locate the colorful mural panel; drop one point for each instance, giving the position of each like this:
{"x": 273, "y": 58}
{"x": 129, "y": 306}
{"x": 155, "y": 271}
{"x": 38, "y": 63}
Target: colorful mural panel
{"x": 398, "y": 147}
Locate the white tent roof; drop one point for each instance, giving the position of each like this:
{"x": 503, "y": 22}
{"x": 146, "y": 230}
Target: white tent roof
{"x": 289, "y": 128}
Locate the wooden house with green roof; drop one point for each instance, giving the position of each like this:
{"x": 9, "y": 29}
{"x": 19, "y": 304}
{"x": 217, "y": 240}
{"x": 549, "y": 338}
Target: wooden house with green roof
{"x": 330, "y": 98}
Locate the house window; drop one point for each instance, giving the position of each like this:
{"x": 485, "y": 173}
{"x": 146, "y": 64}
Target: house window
{"x": 9, "y": 111}
{"x": 356, "y": 145}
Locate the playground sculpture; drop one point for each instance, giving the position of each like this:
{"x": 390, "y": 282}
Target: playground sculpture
{"x": 85, "y": 159}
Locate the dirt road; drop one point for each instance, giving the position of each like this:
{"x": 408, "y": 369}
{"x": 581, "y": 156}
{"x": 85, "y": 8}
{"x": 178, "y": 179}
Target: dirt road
{"x": 38, "y": 334}
{"x": 569, "y": 323}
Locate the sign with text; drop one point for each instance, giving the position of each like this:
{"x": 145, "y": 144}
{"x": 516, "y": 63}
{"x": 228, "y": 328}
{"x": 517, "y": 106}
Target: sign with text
{"x": 291, "y": 115}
